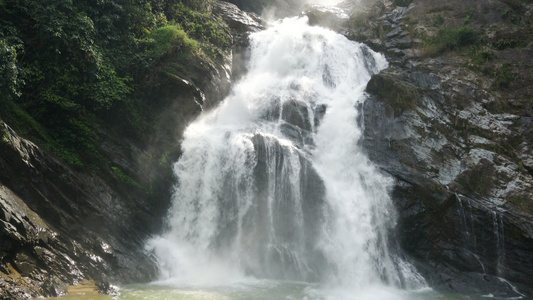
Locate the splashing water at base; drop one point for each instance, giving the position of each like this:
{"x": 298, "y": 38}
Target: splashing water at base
{"x": 263, "y": 290}
{"x": 273, "y": 184}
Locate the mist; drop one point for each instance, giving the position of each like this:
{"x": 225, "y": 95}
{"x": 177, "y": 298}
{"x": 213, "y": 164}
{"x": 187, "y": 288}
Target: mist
{"x": 276, "y": 9}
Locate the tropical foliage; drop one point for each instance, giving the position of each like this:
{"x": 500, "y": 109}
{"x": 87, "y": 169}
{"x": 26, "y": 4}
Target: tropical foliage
{"x": 69, "y": 67}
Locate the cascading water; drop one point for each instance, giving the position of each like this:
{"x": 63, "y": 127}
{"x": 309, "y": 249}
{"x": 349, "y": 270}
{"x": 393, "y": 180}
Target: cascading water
{"x": 273, "y": 183}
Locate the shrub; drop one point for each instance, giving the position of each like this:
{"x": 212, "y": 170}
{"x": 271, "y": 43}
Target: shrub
{"x": 437, "y": 21}
{"x": 10, "y": 81}
{"x": 503, "y": 76}
{"x": 449, "y": 39}
{"x": 167, "y": 39}
{"x": 481, "y": 57}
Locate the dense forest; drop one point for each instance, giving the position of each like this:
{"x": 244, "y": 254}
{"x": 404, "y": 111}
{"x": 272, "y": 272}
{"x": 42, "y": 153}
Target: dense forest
{"x": 70, "y": 67}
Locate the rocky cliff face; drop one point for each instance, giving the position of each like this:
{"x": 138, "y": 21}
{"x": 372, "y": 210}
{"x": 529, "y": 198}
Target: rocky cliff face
{"x": 59, "y": 226}
{"x": 450, "y": 120}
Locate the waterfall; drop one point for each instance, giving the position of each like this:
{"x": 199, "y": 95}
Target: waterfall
{"x": 499, "y": 234}
{"x": 274, "y": 183}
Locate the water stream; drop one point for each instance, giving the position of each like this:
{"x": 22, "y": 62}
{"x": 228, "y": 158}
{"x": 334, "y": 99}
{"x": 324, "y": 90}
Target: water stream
{"x": 274, "y": 185}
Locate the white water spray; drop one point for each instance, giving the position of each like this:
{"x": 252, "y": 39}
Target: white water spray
{"x": 273, "y": 183}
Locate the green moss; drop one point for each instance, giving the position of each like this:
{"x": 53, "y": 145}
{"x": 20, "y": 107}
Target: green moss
{"x": 402, "y": 3}
{"x": 491, "y": 147}
{"x": 5, "y": 134}
{"x": 125, "y": 178}
{"x": 168, "y": 39}
{"x": 437, "y": 21}
{"x": 468, "y": 17}
{"x": 76, "y": 142}
{"x": 69, "y": 156}
{"x": 450, "y": 39}
{"x": 503, "y": 44}
{"x": 521, "y": 166}
{"x": 479, "y": 179}
{"x": 505, "y": 14}
{"x": 23, "y": 122}
{"x": 523, "y": 203}
{"x": 399, "y": 95}
{"x": 163, "y": 160}
{"x": 504, "y": 76}
{"x": 516, "y": 141}
{"x": 408, "y": 21}
{"x": 481, "y": 57}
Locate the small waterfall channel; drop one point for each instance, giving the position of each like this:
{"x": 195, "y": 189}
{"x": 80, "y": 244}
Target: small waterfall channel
{"x": 274, "y": 185}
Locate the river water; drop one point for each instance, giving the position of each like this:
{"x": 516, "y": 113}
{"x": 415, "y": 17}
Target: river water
{"x": 260, "y": 290}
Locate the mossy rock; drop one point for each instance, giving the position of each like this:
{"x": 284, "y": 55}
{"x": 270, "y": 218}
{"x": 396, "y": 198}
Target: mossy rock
{"x": 480, "y": 178}
{"x": 4, "y": 137}
{"x": 403, "y": 3}
{"x": 523, "y": 203}
{"x": 398, "y": 94}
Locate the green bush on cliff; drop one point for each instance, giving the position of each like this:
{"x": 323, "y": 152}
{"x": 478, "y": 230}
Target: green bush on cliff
{"x": 201, "y": 26}
{"x": 504, "y": 76}
{"x": 165, "y": 40}
{"x": 10, "y": 79}
{"x": 450, "y": 39}
{"x": 71, "y": 67}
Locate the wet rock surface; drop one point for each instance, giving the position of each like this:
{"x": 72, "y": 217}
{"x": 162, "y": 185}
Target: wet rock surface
{"x": 273, "y": 170}
{"x": 455, "y": 134}
{"x": 60, "y": 226}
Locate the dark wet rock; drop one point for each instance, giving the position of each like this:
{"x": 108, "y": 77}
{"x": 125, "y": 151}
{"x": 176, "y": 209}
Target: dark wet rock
{"x": 320, "y": 111}
{"x": 293, "y": 133}
{"x": 400, "y": 94}
{"x": 237, "y": 20}
{"x": 63, "y": 225}
{"x": 460, "y": 175}
{"x": 296, "y": 122}
{"x": 241, "y": 25}
{"x": 459, "y": 156}
{"x": 326, "y": 16}
{"x": 275, "y": 163}
{"x": 297, "y": 114}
